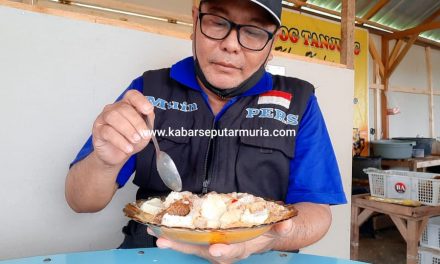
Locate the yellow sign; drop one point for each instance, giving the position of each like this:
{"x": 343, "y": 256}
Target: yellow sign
{"x": 316, "y": 38}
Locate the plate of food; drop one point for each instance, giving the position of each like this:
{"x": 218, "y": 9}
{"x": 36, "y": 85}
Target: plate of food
{"x": 209, "y": 219}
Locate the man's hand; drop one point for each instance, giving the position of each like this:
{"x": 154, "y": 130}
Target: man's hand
{"x": 120, "y": 130}
{"x": 309, "y": 226}
{"x": 221, "y": 253}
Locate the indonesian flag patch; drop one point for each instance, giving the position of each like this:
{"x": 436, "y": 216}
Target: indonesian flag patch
{"x": 276, "y": 97}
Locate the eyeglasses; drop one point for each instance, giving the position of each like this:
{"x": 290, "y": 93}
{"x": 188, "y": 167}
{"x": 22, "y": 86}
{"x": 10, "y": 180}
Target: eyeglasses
{"x": 249, "y": 36}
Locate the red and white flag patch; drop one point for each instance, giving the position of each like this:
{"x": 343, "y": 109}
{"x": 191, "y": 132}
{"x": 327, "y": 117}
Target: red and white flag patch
{"x": 276, "y": 97}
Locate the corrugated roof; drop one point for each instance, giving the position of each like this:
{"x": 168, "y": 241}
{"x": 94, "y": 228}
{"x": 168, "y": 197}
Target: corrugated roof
{"x": 397, "y": 14}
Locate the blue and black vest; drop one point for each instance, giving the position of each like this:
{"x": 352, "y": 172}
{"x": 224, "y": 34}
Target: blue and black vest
{"x": 259, "y": 165}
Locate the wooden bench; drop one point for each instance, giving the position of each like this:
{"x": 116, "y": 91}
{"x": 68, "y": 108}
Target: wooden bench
{"x": 410, "y": 221}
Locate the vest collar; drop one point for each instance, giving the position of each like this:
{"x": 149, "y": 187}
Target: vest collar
{"x": 184, "y": 73}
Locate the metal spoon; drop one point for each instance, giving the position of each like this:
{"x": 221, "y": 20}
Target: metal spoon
{"x": 165, "y": 166}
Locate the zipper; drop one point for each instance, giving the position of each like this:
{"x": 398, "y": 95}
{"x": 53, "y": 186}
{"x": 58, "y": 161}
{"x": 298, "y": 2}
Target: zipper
{"x": 208, "y": 159}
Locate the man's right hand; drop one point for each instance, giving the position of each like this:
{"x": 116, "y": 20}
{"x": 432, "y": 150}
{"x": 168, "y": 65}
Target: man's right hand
{"x": 120, "y": 130}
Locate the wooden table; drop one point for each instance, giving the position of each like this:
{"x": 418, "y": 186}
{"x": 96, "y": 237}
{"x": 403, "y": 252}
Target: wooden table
{"x": 410, "y": 221}
{"x": 414, "y": 164}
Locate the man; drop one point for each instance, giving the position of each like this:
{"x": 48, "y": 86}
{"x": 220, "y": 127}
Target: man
{"x": 223, "y": 86}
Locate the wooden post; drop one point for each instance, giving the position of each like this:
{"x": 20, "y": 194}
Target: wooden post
{"x": 376, "y": 56}
{"x": 347, "y": 33}
{"x": 396, "y": 51}
{"x": 385, "y": 83}
{"x": 354, "y": 232}
{"x": 431, "y": 92}
{"x": 401, "y": 56}
{"x": 376, "y": 99}
{"x": 412, "y": 241}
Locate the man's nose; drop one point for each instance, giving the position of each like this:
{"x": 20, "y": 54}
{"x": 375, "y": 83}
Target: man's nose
{"x": 231, "y": 43}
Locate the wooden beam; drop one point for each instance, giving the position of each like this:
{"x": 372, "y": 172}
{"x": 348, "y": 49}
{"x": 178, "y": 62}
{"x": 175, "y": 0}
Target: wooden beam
{"x": 373, "y": 51}
{"x": 410, "y": 90}
{"x": 139, "y": 9}
{"x": 401, "y": 225}
{"x": 422, "y": 226}
{"x": 415, "y": 30}
{"x": 375, "y": 9}
{"x": 378, "y": 86}
{"x": 431, "y": 92}
{"x": 402, "y": 54}
{"x": 383, "y": 97}
{"x": 105, "y": 18}
{"x": 401, "y": 89}
{"x": 395, "y": 51}
{"x": 362, "y": 217}
{"x": 347, "y": 33}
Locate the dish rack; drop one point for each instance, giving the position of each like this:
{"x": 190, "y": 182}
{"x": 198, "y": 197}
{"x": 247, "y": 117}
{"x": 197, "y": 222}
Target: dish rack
{"x": 396, "y": 184}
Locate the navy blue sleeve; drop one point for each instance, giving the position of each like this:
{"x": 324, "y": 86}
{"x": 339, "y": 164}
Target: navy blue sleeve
{"x": 314, "y": 172}
{"x": 130, "y": 166}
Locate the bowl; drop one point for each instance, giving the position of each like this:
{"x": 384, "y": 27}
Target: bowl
{"x": 209, "y": 237}
{"x": 199, "y": 236}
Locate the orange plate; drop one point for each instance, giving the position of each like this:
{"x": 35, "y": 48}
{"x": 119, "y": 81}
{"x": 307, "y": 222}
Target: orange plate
{"x": 207, "y": 237}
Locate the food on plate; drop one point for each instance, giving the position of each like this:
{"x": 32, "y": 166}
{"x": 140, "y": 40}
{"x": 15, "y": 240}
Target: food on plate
{"x": 210, "y": 211}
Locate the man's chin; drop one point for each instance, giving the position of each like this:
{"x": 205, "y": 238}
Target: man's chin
{"x": 224, "y": 83}
{"x": 224, "y": 86}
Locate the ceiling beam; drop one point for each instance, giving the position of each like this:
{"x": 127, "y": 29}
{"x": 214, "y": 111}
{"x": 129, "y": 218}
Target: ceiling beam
{"x": 415, "y": 30}
{"x": 375, "y": 9}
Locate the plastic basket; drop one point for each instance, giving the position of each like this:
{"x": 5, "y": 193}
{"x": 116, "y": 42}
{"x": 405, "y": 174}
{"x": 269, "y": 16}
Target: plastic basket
{"x": 428, "y": 256}
{"x": 431, "y": 234}
{"x": 408, "y": 185}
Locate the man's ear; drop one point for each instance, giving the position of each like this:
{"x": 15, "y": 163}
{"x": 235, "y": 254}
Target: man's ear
{"x": 275, "y": 37}
{"x": 195, "y": 13}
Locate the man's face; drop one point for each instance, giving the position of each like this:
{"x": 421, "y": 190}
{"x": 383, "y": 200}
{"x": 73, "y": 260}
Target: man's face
{"x": 225, "y": 63}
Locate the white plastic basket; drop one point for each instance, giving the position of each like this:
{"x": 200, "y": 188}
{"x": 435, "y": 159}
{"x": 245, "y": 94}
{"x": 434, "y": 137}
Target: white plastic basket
{"x": 431, "y": 234}
{"x": 428, "y": 256}
{"x": 407, "y": 185}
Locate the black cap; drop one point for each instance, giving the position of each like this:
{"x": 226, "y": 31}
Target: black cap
{"x": 273, "y": 7}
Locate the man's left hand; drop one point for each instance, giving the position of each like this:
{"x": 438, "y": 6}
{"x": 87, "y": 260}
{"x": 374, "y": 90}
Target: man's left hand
{"x": 222, "y": 253}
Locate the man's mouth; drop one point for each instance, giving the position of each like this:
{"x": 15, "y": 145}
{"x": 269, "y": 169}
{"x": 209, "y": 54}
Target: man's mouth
{"x": 226, "y": 65}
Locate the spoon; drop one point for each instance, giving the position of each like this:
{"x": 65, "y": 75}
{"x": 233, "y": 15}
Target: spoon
{"x": 165, "y": 165}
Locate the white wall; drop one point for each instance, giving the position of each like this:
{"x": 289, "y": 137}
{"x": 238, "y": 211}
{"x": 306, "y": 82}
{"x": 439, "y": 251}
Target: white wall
{"x": 411, "y": 73}
{"x": 56, "y": 76}
{"x": 334, "y": 89}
